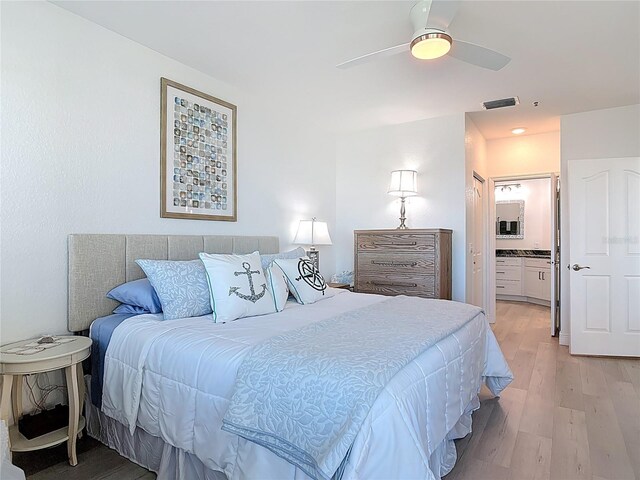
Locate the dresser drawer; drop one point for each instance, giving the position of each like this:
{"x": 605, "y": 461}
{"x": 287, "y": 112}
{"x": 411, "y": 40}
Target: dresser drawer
{"x": 505, "y": 287}
{"x": 391, "y": 263}
{"x": 508, "y": 261}
{"x": 396, "y": 284}
{"x": 505, "y": 272}
{"x": 395, "y": 242}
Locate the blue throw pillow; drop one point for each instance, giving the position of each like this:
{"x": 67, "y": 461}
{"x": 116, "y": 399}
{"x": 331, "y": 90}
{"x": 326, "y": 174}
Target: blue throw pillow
{"x": 138, "y": 293}
{"x": 182, "y": 287}
{"x": 134, "y": 309}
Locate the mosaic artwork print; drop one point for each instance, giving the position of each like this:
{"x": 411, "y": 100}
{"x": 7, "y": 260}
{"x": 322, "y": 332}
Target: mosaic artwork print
{"x": 198, "y": 155}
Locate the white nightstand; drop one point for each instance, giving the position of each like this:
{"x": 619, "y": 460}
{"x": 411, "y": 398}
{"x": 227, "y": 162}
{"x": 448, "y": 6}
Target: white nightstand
{"x": 67, "y": 353}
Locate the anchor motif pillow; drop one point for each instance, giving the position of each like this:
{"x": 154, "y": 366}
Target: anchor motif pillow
{"x": 304, "y": 279}
{"x": 237, "y": 286}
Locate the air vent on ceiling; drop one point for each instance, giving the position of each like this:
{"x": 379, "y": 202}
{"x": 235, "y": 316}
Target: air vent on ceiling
{"x": 504, "y": 102}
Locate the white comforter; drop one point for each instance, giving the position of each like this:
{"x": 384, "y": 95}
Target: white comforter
{"x": 175, "y": 378}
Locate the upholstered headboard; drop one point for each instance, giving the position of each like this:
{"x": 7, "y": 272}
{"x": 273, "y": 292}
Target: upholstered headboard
{"x": 98, "y": 263}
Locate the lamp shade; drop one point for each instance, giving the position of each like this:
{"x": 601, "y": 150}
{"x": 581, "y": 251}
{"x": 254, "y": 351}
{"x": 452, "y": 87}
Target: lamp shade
{"x": 403, "y": 183}
{"x": 312, "y": 232}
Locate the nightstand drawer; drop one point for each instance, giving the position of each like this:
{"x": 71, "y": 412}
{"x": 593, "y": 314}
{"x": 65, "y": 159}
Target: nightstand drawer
{"x": 508, "y": 273}
{"x": 396, "y": 284}
{"x": 395, "y": 242}
{"x": 392, "y": 263}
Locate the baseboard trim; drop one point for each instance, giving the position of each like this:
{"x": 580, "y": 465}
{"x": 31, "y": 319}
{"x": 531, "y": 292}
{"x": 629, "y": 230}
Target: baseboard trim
{"x": 564, "y": 339}
{"x": 520, "y": 298}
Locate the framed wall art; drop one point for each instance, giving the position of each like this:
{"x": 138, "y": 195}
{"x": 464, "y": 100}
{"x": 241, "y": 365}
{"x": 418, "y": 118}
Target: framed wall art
{"x": 198, "y": 164}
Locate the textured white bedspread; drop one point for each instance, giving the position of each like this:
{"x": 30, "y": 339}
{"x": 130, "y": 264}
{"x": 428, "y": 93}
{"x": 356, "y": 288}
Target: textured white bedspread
{"x": 175, "y": 378}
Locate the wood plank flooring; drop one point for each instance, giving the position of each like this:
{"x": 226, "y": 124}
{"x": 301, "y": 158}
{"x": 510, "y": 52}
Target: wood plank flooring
{"x": 563, "y": 418}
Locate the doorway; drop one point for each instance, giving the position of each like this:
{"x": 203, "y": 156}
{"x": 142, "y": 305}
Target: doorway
{"x": 523, "y": 248}
{"x": 478, "y": 244}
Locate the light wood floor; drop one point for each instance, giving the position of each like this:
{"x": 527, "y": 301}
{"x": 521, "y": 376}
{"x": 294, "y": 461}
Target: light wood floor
{"x": 563, "y": 417}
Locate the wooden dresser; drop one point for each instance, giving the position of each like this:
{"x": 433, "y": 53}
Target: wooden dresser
{"x": 403, "y": 262}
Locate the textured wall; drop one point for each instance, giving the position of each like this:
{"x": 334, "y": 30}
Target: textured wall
{"x": 80, "y": 154}
{"x": 524, "y": 155}
{"x": 365, "y": 159}
{"x": 608, "y": 133}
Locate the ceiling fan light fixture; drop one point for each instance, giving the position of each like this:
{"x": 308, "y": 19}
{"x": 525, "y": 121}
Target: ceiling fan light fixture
{"x": 431, "y": 45}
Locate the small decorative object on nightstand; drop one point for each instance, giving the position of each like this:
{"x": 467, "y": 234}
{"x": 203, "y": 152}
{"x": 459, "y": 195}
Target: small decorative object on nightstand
{"x": 403, "y": 184}
{"x": 31, "y": 356}
{"x": 312, "y": 232}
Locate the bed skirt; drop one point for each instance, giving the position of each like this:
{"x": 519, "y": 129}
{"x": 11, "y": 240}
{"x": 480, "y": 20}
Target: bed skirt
{"x": 171, "y": 463}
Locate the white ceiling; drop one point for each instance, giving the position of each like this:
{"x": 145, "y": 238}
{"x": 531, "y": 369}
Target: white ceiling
{"x": 570, "y": 56}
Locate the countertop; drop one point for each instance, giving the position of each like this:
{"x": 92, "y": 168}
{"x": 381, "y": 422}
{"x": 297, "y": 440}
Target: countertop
{"x": 524, "y": 253}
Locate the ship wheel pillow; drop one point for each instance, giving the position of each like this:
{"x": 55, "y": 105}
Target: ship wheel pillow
{"x": 304, "y": 279}
{"x": 237, "y": 285}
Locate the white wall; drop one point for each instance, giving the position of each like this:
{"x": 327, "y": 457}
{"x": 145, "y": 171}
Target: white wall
{"x": 433, "y": 147}
{"x": 536, "y": 194}
{"x": 523, "y": 155}
{"x": 80, "y": 154}
{"x": 608, "y": 133}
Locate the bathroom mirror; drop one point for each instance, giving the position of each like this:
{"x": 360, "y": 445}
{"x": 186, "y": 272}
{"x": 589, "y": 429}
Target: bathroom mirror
{"x": 510, "y": 219}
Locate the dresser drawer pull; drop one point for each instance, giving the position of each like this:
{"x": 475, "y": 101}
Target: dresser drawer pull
{"x": 499, "y": 286}
{"x": 392, "y": 244}
{"x": 500, "y": 272}
{"x": 385, "y": 284}
{"x": 395, "y": 264}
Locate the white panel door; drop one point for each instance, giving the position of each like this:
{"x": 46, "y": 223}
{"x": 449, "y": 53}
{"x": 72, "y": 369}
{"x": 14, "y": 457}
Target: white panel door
{"x": 553, "y": 277}
{"x": 604, "y": 220}
{"x": 477, "y": 296}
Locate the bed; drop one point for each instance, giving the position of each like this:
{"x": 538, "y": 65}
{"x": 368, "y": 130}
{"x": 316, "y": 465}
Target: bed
{"x": 171, "y": 383}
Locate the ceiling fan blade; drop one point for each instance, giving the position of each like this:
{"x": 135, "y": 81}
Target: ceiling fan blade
{"x": 387, "y": 52}
{"x": 441, "y": 13}
{"x": 477, "y": 55}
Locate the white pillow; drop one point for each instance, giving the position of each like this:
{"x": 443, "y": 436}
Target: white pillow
{"x": 238, "y": 286}
{"x": 277, "y": 285}
{"x": 304, "y": 279}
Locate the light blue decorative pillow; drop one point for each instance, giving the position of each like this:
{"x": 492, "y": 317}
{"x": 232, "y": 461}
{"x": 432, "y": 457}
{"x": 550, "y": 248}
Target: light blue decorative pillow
{"x": 267, "y": 259}
{"x": 124, "y": 308}
{"x": 277, "y": 285}
{"x": 182, "y": 287}
{"x": 137, "y": 293}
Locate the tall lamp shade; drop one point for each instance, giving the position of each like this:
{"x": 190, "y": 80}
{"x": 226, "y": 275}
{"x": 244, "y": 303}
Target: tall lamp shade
{"x": 312, "y": 232}
{"x": 404, "y": 183}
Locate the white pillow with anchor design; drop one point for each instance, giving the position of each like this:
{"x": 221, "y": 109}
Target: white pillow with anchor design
{"x": 304, "y": 279}
{"x": 237, "y": 285}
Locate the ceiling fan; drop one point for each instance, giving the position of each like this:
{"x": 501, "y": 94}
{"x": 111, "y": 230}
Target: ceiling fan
{"x": 430, "y": 20}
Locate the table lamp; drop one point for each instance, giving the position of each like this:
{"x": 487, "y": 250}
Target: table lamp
{"x": 312, "y": 232}
{"x": 403, "y": 184}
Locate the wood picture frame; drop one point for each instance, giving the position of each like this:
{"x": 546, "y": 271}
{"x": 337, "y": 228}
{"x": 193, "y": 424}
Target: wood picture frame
{"x": 198, "y": 155}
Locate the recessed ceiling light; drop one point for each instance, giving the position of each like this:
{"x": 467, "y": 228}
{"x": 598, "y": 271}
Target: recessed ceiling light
{"x": 518, "y": 131}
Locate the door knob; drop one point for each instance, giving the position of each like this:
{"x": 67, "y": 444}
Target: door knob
{"x": 577, "y": 267}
